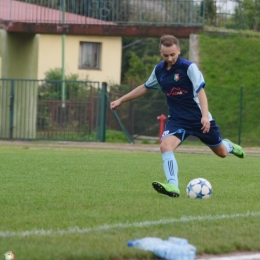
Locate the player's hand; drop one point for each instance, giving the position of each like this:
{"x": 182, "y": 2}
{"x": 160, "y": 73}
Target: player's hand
{"x": 205, "y": 124}
{"x": 115, "y": 104}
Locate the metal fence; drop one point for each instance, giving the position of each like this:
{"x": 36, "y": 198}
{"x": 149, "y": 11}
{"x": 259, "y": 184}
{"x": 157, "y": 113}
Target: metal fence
{"x": 79, "y": 111}
{"x": 236, "y": 111}
{"x": 168, "y": 12}
{"x": 51, "y": 110}
{"x": 217, "y": 13}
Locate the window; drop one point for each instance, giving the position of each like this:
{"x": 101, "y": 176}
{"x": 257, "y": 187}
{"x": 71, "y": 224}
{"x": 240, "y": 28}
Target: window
{"x": 89, "y": 56}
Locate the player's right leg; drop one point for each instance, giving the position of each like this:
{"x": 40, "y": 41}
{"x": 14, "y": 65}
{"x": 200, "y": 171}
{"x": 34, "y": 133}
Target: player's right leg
{"x": 166, "y": 189}
{"x": 168, "y": 145}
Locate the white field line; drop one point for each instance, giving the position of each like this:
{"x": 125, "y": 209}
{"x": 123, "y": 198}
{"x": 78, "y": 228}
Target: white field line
{"x": 236, "y": 257}
{"x": 77, "y": 230}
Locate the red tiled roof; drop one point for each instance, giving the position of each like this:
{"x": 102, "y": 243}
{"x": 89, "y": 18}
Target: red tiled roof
{"x": 16, "y": 11}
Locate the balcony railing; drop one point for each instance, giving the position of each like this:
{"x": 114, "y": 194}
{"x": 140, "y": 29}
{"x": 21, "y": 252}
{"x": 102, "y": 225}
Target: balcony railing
{"x": 131, "y": 12}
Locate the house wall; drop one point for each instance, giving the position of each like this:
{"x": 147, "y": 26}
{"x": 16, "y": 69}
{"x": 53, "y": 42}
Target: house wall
{"x": 50, "y": 57}
{"x": 19, "y": 56}
{"x": 3, "y": 36}
{"x": 1, "y": 50}
{"x": 18, "y": 60}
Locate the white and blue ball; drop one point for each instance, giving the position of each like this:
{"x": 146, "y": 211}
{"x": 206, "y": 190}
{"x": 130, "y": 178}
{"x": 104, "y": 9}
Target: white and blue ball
{"x": 199, "y": 188}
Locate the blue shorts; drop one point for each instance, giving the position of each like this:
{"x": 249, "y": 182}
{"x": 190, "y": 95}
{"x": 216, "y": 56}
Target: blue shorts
{"x": 212, "y": 138}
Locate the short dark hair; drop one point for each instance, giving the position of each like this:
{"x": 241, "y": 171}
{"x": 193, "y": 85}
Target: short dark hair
{"x": 168, "y": 40}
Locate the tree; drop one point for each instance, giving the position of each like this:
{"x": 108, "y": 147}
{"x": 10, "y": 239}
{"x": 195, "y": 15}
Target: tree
{"x": 251, "y": 11}
{"x": 209, "y": 9}
{"x": 52, "y": 87}
{"x": 144, "y": 48}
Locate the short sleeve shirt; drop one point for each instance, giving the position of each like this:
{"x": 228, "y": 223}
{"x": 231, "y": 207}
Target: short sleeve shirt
{"x": 180, "y": 84}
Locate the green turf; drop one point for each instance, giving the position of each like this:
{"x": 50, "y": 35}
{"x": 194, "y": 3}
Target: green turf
{"x": 57, "y": 188}
{"x": 228, "y": 62}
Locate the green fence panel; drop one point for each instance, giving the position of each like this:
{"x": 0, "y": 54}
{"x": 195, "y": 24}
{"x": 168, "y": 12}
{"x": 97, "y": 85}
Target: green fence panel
{"x": 50, "y": 110}
{"x": 67, "y": 110}
{"x": 35, "y": 110}
{"x": 5, "y": 106}
{"x": 24, "y": 109}
{"x": 237, "y": 114}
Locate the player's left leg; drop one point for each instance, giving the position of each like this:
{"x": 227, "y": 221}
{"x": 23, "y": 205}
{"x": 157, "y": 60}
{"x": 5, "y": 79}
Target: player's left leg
{"x": 220, "y": 147}
{"x": 220, "y": 150}
{"x": 228, "y": 147}
{"x": 235, "y": 149}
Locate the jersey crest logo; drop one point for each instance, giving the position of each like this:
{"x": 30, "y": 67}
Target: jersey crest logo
{"x": 176, "y": 77}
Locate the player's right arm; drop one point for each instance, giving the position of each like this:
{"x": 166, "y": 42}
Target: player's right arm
{"x": 135, "y": 93}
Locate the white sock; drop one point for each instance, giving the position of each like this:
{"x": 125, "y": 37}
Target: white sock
{"x": 170, "y": 167}
{"x": 228, "y": 146}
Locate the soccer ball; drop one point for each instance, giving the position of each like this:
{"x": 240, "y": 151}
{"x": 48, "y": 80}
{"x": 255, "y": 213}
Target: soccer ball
{"x": 199, "y": 188}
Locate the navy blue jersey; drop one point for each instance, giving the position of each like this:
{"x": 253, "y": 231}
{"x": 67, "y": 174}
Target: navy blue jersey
{"x": 180, "y": 84}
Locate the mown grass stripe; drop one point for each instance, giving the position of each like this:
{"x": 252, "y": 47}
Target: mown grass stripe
{"x": 74, "y": 230}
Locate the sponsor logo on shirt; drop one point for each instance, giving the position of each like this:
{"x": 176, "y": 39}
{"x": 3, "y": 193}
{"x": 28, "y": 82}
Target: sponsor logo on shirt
{"x": 176, "y": 91}
{"x": 176, "y": 77}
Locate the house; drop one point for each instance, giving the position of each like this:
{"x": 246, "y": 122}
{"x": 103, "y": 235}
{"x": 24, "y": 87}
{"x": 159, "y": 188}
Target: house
{"x": 30, "y": 56}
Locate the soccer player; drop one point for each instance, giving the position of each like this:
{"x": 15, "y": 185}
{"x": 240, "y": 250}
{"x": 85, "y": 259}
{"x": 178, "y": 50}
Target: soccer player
{"x": 183, "y": 85}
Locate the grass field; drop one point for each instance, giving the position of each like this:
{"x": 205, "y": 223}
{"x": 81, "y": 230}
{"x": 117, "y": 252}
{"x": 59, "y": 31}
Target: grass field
{"x": 86, "y": 203}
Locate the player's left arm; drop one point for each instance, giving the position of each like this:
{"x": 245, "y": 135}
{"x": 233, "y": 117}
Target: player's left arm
{"x": 204, "y": 110}
{"x": 198, "y": 83}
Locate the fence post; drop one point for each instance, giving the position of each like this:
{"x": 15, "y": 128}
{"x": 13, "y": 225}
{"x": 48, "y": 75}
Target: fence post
{"x": 11, "y": 106}
{"x": 161, "y": 118}
{"x": 240, "y": 115}
{"x": 103, "y": 112}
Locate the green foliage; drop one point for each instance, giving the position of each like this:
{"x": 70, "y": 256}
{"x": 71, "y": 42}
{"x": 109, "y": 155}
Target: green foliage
{"x": 56, "y": 74}
{"x": 113, "y": 136}
{"x": 145, "y": 53}
{"x": 55, "y": 88}
{"x": 145, "y": 141}
{"x": 225, "y": 72}
{"x": 210, "y": 10}
{"x": 251, "y": 12}
{"x": 89, "y": 201}
{"x": 140, "y": 69}
{"x": 224, "y": 67}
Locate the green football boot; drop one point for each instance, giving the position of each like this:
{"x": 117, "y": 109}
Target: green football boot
{"x": 237, "y": 150}
{"x": 166, "y": 189}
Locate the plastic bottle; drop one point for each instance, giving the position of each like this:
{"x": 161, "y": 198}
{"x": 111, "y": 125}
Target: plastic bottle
{"x": 178, "y": 241}
{"x": 172, "y": 249}
{"x": 147, "y": 243}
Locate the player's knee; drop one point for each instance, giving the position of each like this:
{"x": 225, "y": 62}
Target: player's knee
{"x": 163, "y": 147}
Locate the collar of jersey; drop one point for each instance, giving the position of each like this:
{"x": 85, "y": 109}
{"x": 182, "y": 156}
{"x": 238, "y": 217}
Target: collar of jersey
{"x": 175, "y": 64}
